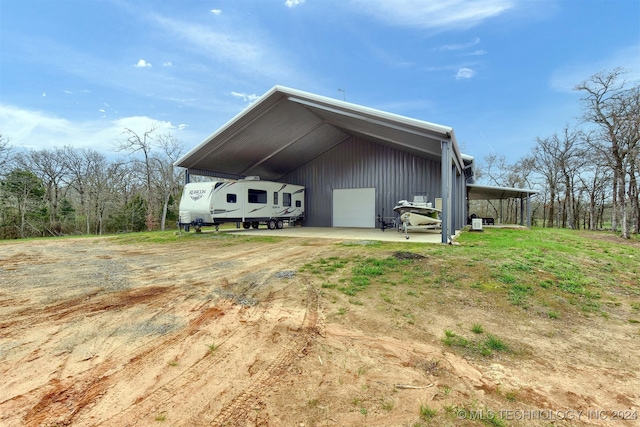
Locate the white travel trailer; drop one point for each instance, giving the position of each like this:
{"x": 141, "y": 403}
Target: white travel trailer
{"x": 249, "y": 201}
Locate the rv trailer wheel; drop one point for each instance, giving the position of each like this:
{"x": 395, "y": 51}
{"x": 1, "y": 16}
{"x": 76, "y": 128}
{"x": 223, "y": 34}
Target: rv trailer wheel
{"x": 246, "y": 225}
{"x": 407, "y": 236}
{"x": 255, "y": 224}
{"x": 279, "y": 224}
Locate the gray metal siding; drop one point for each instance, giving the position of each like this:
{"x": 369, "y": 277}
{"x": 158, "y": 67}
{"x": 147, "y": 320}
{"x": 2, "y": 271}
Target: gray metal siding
{"x": 357, "y": 163}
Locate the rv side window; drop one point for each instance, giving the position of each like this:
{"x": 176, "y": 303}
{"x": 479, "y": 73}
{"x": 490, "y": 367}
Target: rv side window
{"x": 286, "y": 199}
{"x": 257, "y": 196}
{"x": 275, "y": 197}
{"x": 298, "y": 204}
{"x": 231, "y": 198}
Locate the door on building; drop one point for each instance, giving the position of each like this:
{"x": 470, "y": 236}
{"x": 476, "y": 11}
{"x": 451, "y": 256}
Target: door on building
{"x": 354, "y": 207}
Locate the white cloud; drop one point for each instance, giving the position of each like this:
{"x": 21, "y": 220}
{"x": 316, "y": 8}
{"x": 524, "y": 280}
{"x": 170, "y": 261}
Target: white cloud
{"x": 182, "y": 126}
{"x": 479, "y": 52}
{"x": 216, "y": 11}
{"x": 293, "y": 3}
{"x": 167, "y": 64}
{"x": 142, "y": 64}
{"x": 441, "y": 14}
{"x": 460, "y": 46}
{"x": 37, "y": 130}
{"x": 245, "y": 97}
{"x": 465, "y": 73}
{"x": 44, "y": 94}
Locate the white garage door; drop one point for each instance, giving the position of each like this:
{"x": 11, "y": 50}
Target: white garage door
{"x": 354, "y": 207}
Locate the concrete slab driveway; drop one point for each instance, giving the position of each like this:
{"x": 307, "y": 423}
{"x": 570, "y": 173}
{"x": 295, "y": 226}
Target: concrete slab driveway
{"x": 340, "y": 233}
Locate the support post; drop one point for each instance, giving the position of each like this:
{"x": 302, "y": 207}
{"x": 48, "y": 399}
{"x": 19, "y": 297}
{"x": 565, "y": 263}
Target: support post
{"x": 186, "y": 176}
{"x": 445, "y": 165}
{"x": 528, "y": 210}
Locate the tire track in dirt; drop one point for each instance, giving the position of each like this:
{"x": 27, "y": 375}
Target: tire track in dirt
{"x": 70, "y": 399}
{"x": 61, "y": 389}
{"x": 192, "y": 376}
{"x": 65, "y": 400}
{"x": 239, "y": 409}
{"x": 92, "y": 303}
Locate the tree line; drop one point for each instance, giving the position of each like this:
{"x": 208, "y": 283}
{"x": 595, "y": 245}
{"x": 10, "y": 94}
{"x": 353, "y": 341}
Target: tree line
{"x": 62, "y": 191}
{"x": 586, "y": 175}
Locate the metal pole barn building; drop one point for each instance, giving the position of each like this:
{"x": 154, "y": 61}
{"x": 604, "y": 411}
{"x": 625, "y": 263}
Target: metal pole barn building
{"x": 355, "y": 162}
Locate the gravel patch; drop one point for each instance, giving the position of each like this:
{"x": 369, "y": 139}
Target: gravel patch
{"x": 286, "y": 274}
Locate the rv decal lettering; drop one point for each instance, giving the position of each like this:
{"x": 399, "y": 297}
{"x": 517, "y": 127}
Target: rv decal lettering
{"x": 196, "y": 194}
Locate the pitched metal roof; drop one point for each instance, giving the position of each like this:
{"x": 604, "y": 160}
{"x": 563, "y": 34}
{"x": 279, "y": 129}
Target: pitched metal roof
{"x": 487, "y": 192}
{"x": 286, "y": 128}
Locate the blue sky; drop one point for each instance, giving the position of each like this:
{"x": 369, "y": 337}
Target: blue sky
{"x": 500, "y": 72}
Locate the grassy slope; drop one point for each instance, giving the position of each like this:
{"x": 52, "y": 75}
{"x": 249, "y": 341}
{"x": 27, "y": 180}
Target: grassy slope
{"x": 475, "y": 297}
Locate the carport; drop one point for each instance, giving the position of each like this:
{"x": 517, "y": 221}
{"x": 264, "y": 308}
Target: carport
{"x": 482, "y": 192}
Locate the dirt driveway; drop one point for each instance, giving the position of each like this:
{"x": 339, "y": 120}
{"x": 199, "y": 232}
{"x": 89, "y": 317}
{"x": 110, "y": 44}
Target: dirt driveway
{"x": 95, "y": 333}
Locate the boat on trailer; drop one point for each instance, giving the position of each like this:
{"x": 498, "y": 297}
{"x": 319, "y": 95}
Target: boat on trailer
{"x": 417, "y": 215}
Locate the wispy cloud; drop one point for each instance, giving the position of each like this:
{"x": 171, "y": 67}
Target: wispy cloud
{"x": 460, "y": 46}
{"x": 216, "y": 11}
{"x": 465, "y": 73}
{"x": 565, "y": 78}
{"x": 236, "y": 49}
{"x": 441, "y": 14}
{"x": 167, "y": 64}
{"x": 246, "y": 97}
{"x": 142, "y": 64}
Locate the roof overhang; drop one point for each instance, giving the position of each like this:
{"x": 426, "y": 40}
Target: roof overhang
{"x": 486, "y": 192}
{"x": 286, "y": 128}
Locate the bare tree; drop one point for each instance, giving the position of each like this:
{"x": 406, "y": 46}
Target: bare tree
{"x": 595, "y": 177}
{"x": 51, "y": 168}
{"x": 24, "y": 191}
{"x": 86, "y": 168}
{"x": 135, "y": 143}
{"x": 613, "y": 108}
{"x": 546, "y": 163}
{"x": 167, "y": 176}
{"x": 631, "y": 141}
{"x": 5, "y": 153}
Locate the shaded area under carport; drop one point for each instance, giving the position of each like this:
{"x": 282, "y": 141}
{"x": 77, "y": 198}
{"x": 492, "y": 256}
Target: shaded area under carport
{"x": 486, "y": 192}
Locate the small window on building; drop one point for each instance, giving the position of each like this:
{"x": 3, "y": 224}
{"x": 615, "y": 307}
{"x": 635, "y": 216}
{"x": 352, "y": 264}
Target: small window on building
{"x": 275, "y": 197}
{"x": 298, "y": 204}
{"x": 257, "y": 196}
{"x": 286, "y": 199}
{"x": 231, "y": 198}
